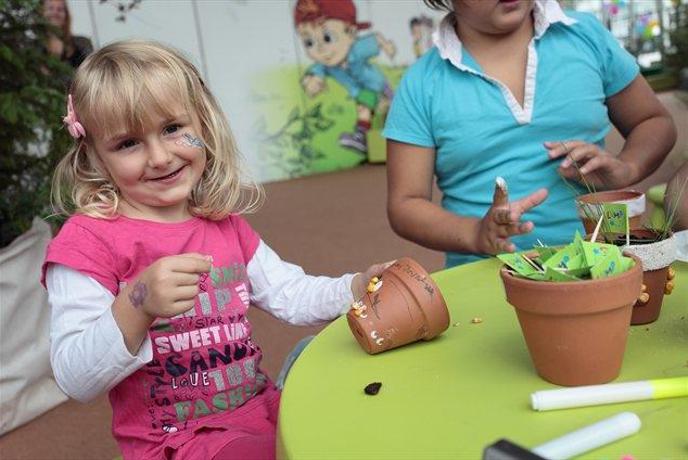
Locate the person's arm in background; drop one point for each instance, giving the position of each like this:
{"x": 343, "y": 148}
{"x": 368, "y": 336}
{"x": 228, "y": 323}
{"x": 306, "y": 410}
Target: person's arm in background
{"x": 649, "y": 132}
{"x": 414, "y": 216}
{"x": 676, "y": 198}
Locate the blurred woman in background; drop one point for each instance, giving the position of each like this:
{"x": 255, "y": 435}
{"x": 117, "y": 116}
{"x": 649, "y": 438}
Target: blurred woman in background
{"x": 71, "y": 49}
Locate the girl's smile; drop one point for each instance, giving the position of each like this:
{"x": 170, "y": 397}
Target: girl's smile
{"x": 169, "y": 178}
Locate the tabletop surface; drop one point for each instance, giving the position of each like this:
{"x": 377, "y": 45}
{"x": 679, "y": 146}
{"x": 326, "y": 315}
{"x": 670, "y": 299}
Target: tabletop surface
{"x": 451, "y": 397}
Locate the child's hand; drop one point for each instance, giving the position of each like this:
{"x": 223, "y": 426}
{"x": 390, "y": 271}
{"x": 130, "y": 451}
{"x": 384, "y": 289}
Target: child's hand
{"x": 313, "y": 84}
{"x": 589, "y": 164}
{"x": 503, "y": 220}
{"x": 169, "y": 286}
{"x": 360, "y": 281}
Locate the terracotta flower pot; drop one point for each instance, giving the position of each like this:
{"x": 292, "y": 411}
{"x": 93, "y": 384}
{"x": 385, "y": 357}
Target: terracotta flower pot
{"x": 635, "y": 201}
{"x": 657, "y": 278}
{"x": 408, "y": 306}
{"x": 575, "y": 331}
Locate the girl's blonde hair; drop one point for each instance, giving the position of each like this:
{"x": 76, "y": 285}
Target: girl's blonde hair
{"x": 119, "y": 87}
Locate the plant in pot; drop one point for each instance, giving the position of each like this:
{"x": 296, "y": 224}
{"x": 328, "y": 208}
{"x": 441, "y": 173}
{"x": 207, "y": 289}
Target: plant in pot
{"x": 404, "y": 305}
{"x": 574, "y": 306}
{"x": 655, "y": 247}
{"x": 590, "y": 206}
{"x": 32, "y": 101}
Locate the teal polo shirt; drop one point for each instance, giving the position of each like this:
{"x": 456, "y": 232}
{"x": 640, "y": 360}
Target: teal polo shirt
{"x": 479, "y": 131}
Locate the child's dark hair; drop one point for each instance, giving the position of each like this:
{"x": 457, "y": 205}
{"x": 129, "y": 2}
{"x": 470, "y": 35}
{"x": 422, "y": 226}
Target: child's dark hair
{"x": 446, "y": 5}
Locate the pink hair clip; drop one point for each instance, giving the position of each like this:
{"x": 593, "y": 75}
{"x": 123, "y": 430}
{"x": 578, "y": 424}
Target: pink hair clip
{"x": 75, "y": 128}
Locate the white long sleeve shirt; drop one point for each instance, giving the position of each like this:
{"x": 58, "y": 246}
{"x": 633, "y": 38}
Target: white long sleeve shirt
{"x": 88, "y": 353}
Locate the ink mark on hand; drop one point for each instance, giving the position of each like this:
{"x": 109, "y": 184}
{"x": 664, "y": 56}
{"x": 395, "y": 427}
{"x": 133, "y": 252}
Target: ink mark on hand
{"x": 138, "y": 294}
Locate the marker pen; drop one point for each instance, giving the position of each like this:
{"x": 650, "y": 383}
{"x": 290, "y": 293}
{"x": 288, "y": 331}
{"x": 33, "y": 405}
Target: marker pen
{"x": 610, "y": 393}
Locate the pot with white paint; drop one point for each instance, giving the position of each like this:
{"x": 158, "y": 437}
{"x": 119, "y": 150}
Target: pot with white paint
{"x": 403, "y": 306}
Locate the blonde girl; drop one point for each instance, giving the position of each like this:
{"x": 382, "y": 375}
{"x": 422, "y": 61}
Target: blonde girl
{"x": 151, "y": 276}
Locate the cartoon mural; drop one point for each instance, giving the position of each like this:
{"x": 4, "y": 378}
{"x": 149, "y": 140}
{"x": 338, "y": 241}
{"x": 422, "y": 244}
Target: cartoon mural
{"x": 329, "y": 32}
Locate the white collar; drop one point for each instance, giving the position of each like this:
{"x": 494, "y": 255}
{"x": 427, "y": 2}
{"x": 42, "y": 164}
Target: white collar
{"x": 545, "y": 13}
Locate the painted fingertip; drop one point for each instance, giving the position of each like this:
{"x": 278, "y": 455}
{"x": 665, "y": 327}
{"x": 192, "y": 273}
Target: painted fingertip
{"x": 501, "y": 183}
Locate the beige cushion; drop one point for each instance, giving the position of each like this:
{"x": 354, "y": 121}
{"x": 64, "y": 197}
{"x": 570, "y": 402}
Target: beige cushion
{"x": 27, "y": 387}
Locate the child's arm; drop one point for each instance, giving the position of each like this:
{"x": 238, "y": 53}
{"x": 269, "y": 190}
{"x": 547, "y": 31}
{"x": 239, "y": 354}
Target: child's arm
{"x": 98, "y": 339}
{"x": 649, "y": 132}
{"x": 414, "y": 216}
{"x": 87, "y": 349}
{"x": 288, "y": 293}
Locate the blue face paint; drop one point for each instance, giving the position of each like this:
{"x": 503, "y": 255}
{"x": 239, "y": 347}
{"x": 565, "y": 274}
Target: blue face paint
{"x": 190, "y": 141}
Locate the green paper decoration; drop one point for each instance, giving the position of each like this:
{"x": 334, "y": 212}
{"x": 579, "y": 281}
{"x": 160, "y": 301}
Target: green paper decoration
{"x": 579, "y": 260}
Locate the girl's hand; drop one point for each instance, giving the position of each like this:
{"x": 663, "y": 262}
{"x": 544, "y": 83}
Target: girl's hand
{"x": 503, "y": 220}
{"x": 360, "y": 281}
{"x": 590, "y": 165}
{"x": 169, "y": 286}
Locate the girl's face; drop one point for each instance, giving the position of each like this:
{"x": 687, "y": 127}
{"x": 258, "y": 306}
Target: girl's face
{"x": 55, "y": 12}
{"x": 157, "y": 167}
{"x": 493, "y": 17}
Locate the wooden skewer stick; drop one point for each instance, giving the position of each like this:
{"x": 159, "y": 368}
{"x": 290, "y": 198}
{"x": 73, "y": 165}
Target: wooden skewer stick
{"x": 593, "y": 238}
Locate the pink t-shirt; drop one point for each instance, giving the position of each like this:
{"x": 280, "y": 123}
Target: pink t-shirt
{"x": 204, "y": 379}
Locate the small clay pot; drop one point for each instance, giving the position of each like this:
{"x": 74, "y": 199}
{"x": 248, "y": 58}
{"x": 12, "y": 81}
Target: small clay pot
{"x": 634, "y": 199}
{"x": 407, "y": 307}
{"x": 575, "y": 331}
{"x": 656, "y": 258}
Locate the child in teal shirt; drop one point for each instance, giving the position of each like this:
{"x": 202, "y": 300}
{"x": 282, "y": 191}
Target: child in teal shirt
{"x": 522, "y": 90}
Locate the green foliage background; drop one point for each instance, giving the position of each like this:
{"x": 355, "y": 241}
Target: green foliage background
{"x": 32, "y": 103}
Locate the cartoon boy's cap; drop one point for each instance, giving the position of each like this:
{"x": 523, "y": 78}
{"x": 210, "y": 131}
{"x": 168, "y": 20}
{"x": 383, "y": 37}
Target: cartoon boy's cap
{"x": 321, "y": 10}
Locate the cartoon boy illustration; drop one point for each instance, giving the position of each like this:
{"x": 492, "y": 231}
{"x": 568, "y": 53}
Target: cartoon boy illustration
{"x": 329, "y": 33}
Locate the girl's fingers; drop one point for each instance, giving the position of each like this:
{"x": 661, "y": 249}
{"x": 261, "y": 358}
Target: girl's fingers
{"x": 520, "y": 207}
{"x": 520, "y": 228}
{"x": 594, "y": 164}
{"x": 191, "y": 263}
{"x": 501, "y": 194}
{"x": 504, "y": 245}
{"x": 182, "y": 306}
{"x": 185, "y": 279}
{"x": 526, "y": 227}
{"x": 185, "y": 293}
{"x": 502, "y": 216}
{"x": 558, "y": 149}
{"x": 579, "y": 155}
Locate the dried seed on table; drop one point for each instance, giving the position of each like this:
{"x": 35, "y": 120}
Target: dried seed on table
{"x": 372, "y": 388}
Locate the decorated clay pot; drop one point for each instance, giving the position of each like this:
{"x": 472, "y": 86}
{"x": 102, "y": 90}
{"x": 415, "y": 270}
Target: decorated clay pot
{"x": 403, "y": 306}
{"x": 658, "y": 277}
{"x": 575, "y": 331}
{"x": 589, "y": 213}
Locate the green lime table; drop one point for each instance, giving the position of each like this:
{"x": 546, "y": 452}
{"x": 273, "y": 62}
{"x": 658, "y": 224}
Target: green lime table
{"x": 450, "y": 397}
